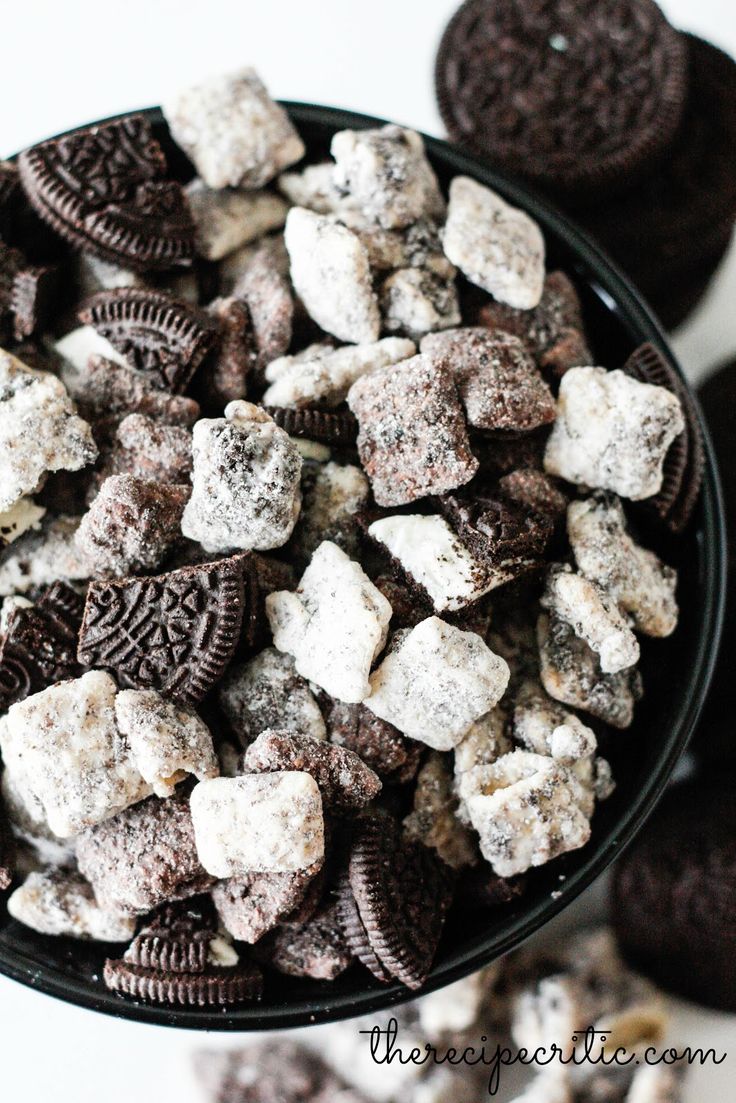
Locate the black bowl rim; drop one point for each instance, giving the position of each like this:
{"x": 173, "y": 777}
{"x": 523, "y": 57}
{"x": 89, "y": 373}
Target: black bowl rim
{"x": 597, "y": 856}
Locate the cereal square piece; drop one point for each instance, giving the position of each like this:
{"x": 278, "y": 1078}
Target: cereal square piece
{"x": 42, "y": 557}
{"x": 525, "y": 809}
{"x": 571, "y": 673}
{"x": 226, "y": 220}
{"x": 233, "y": 131}
{"x": 150, "y": 449}
{"x": 412, "y": 436}
{"x": 23, "y": 516}
{"x": 103, "y": 389}
{"x": 331, "y": 274}
{"x": 266, "y": 692}
{"x": 245, "y": 482}
{"x": 132, "y": 525}
{"x": 499, "y": 384}
{"x": 496, "y": 246}
{"x": 542, "y": 725}
{"x": 429, "y": 552}
{"x": 332, "y": 494}
{"x": 166, "y": 740}
{"x": 641, "y": 584}
{"x": 251, "y": 905}
{"x": 435, "y": 682}
{"x": 433, "y": 820}
{"x": 612, "y": 432}
{"x": 593, "y": 615}
{"x": 484, "y": 742}
{"x": 39, "y": 430}
{"x": 64, "y": 746}
{"x": 258, "y": 823}
{"x": 60, "y": 902}
{"x": 334, "y": 625}
{"x": 416, "y": 301}
{"x": 143, "y": 857}
{"x": 325, "y": 377}
{"x": 263, "y": 286}
{"x": 315, "y": 188}
{"x": 386, "y": 172}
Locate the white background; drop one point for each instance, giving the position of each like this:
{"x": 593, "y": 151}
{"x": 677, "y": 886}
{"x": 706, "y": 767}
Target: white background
{"x": 64, "y": 63}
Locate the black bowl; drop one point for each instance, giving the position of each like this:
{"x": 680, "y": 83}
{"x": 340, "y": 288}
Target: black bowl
{"x": 676, "y": 677}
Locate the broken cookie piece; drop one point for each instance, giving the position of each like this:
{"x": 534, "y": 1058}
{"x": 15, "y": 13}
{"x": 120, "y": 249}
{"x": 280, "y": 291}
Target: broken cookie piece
{"x": 612, "y": 432}
{"x": 245, "y": 482}
{"x": 334, "y": 625}
{"x": 332, "y": 495}
{"x": 593, "y": 615}
{"x": 496, "y": 246}
{"x": 233, "y": 131}
{"x": 331, "y": 274}
{"x": 40, "y": 431}
{"x": 412, "y": 436}
{"x": 641, "y": 584}
{"x": 131, "y": 526}
{"x": 435, "y": 681}
{"x": 258, "y": 823}
{"x": 266, "y": 692}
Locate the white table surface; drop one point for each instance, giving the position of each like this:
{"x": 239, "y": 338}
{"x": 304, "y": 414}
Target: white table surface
{"x": 65, "y": 63}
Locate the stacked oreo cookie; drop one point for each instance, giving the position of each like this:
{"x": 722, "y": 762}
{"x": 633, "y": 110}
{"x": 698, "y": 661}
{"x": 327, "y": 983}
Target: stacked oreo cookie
{"x": 626, "y": 123}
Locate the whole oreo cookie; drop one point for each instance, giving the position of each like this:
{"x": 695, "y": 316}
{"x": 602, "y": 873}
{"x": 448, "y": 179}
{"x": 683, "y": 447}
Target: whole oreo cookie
{"x": 578, "y": 98}
{"x": 674, "y": 895}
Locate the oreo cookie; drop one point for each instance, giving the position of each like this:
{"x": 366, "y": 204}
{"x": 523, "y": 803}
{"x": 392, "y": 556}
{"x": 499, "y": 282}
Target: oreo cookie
{"x": 179, "y": 958}
{"x": 674, "y": 895}
{"x": 39, "y": 646}
{"x": 393, "y": 897}
{"x": 164, "y": 339}
{"x": 337, "y": 427}
{"x": 175, "y": 633}
{"x": 104, "y": 189}
{"x": 684, "y": 463}
{"x": 581, "y": 100}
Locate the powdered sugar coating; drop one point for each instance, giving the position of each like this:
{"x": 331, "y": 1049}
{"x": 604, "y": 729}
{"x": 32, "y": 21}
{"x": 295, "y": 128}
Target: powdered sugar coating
{"x": 612, "y": 432}
{"x": 417, "y": 301}
{"x": 345, "y": 783}
{"x": 430, "y": 553}
{"x": 332, "y": 494}
{"x": 39, "y": 430}
{"x": 143, "y": 857}
{"x": 315, "y": 188}
{"x": 105, "y": 389}
{"x": 64, "y": 746}
{"x": 334, "y": 625}
{"x": 270, "y": 823}
{"x": 245, "y": 482}
{"x": 499, "y": 384}
{"x": 526, "y": 811}
{"x": 60, "y": 902}
{"x": 150, "y": 449}
{"x": 326, "y": 377}
{"x": 386, "y": 172}
{"x": 23, "y": 515}
{"x": 433, "y": 820}
{"x": 226, "y": 220}
{"x": 571, "y": 673}
{"x": 251, "y": 905}
{"x": 412, "y": 436}
{"x": 233, "y": 131}
{"x": 331, "y": 274}
{"x": 496, "y": 246}
{"x": 166, "y": 740}
{"x": 593, "y": 615}
{"x": 131, "y": 526}
{"x": 636, "y": 578}
{"x": 484, "y": 742}
{"x": 435, "y": 682}
{"x": 542, "y": 725}
{"x": 266, "y": 692}
{"x": 41, "y": 557}
{"x": 263, "y": 286}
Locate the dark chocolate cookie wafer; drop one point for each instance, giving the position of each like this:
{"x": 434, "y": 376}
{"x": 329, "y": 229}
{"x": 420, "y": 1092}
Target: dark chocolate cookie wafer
{"x": 579, "y": 98}
{"x": 393, "y": 898}
{"x": 175, "y": 633}
{"x": 325, "y": 426}
{"x": 176, "y": 959}
{"x": 501, "y": 533}
{"x": 684, "y": 463}
{"x": 28, "y": 294}
{"x": 104, "y": 189}
{"x": 39, "y": 646}
{"x": 164, "y": 339}
{"x": 674, "y": 894}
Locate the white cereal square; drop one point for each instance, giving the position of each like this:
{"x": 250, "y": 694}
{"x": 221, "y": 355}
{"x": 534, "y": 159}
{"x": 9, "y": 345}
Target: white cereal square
{"x": 226, "y": 220}
{"x": 326, "y": 377}
{"x": 594, "y": 617}
{"x": 266, "y": 692}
